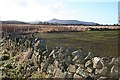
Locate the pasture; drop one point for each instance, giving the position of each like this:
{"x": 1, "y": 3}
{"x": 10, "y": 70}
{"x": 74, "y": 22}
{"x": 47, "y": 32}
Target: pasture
{"x": 100, "y": 43}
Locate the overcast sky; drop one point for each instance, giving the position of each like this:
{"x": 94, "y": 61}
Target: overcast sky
{"x": 100, "y": 11}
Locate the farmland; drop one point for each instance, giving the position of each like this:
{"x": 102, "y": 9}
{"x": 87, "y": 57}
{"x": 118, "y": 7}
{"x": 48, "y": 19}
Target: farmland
{"x": 56, "y": 52}
{"x": 31, "y": 28}
{"x": 98, "y": 41}
{"x": 102, "y": 43}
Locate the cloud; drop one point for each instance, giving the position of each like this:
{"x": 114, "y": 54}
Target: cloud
{"x": 92, "y": 0}
{"x": 28, "y": 10}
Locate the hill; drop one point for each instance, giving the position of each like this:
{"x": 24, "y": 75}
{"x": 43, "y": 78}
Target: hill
{"x": 13, "y": 22}
{"x": 71, "y": 22}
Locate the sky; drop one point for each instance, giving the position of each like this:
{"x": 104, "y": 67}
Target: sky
{"x": 99, "y": 11}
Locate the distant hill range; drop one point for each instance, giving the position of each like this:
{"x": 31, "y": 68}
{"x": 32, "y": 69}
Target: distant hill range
{"x": 14, "y": 22}
{"x": 52, "y": 21}
{"x": 71, "y": 22}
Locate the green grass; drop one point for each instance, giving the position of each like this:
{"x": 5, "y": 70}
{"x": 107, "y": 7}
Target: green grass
{"x": 102, "y": 43}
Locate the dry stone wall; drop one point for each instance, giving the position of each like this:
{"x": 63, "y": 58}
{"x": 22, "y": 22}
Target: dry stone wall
{"x": 35, "y": 60}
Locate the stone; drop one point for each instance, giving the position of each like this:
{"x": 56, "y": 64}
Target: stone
{"x": 78, "y": 57}
{"x": 89, "y": 78}
{"x": 51, "y": 60}
{"x": 44, "y": 66}
{"x": 78, "y": 60}
{"x": 77, "y": 76}
{"x": 9, "y": 66}
{"x": 114, "y": 71}
{"x": 97, "y": 71}
{"x": 51, "y": 69}
{"x": 82, "y": 72}
{"x": 59, "y": 74}
{"x": 52, "y": 53}
{"x": 63, "y": 66}
{"x": 99, "y": 65}
{"x": 49, "y": 76}
{"x": 89, "y": 69}
{"x": 104, "y": 61}
{"x": 71, "y": 68}
{"x": 102, "y": 78}
{"x": 60, "y": 56}
{"x": 88, "y": 63}
{"x": 75, "y": 58}
{"x": 112, "y": 61}
{"x": 68, "y": 75}
{"x": 117, "y": 62}
{"x": 104, "y": 71}
{"x": 61, "y": 50}
{"x": 4, "y": 57}
{"x": 89, "y": 56}
{"x": 76, "y": 52}
{"x": 56, "y": 63}
{"x": 95, "y": 76}
{"x": 79, "y": 65}
{"x": 68, "y": 60}
{"x": 96, "y": 62}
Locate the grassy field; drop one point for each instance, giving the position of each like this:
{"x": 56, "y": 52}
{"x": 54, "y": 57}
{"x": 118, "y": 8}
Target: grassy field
{"x": 102, "y": 43}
